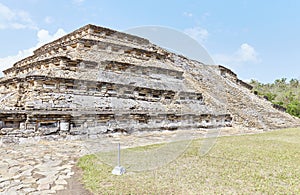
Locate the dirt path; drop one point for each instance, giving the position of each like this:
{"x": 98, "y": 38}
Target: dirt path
{"x": 75, "y": 186}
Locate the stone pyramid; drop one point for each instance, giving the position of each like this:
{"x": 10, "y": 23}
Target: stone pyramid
{"x": 96, "y": 80}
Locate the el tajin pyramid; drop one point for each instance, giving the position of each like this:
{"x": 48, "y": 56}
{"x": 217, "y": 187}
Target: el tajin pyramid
{"x": 96, "y": 80}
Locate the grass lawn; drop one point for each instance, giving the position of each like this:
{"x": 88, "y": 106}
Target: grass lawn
{"x": 267, "y": 163}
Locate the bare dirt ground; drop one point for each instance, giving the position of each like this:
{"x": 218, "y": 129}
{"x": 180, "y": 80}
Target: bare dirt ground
{"x": 75, "y": 186}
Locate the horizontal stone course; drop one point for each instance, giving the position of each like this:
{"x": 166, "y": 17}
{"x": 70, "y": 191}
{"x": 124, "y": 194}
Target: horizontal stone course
{"x": 96, "y": 81}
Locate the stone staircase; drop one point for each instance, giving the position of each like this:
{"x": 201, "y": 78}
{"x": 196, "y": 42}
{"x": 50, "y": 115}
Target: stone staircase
{"x": 224, "y": 95}
{"x": 252, "y": 111}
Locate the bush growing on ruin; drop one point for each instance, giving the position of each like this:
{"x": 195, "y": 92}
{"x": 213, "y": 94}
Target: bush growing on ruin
{"x": 281, "y": 92}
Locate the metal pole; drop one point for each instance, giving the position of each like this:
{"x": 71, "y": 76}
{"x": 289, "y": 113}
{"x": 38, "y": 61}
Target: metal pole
{"x": 119, "y": 154}
{"x": 119, "y": 170}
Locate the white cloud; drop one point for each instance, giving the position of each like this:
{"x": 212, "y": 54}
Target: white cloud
{"x": 49, "y": 20}
{"x": 43, "y": 37}
{"x": 78, "y": 1}
{"x": 245, "y": 54}
{"x": 197, "y": 33}
{"x": 5, "y": 12}
{"x": 205, "y": 15}
{"x": 15, "y": 19}
{"x": 188, "y": 14}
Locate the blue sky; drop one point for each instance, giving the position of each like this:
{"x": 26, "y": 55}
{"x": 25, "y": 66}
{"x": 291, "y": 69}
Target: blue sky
{"x": 257, "y": 39}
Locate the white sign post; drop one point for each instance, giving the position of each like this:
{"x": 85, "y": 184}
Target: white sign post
{"x": 118, "y": 170}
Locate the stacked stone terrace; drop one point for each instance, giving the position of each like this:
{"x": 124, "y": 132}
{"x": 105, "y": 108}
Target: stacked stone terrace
{"x": 96, "y": 80}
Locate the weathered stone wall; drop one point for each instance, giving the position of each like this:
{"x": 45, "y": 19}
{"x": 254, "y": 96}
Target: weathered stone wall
{"x": 96, "y": 80}
{"x": 92, "y": 124}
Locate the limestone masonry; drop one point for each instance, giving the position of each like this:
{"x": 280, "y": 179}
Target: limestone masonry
{"x": 96, "y": 80}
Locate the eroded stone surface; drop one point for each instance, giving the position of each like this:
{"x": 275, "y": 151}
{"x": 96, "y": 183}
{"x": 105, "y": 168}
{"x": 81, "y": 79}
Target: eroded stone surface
{"x": 37, "y": 167}
{"x": 97, "y": 80}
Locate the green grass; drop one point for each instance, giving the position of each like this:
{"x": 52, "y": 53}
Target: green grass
{"x": 267, "y": 163}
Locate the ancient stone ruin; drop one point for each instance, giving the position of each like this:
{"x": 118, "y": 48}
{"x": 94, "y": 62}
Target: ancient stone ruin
{"x": 96, "y": 80}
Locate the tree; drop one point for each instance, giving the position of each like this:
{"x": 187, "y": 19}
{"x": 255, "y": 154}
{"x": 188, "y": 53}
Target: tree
{"x": 270, "y": 96}
{"x": 294, "y": 83}
{"x": 281, "y": 92}
{"x": 281, "y": 82}
{"x": 294, "y": 108}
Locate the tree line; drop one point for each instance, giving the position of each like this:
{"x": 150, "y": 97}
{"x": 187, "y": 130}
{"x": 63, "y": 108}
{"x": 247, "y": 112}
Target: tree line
{"x": 281, "y": 92}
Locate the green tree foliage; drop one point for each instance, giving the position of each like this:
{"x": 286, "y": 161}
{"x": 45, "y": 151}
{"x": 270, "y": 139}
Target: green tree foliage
{"x": 281, "y": 92}
{"x": 294, "y": 108}
{"x": 270, "y": 96}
